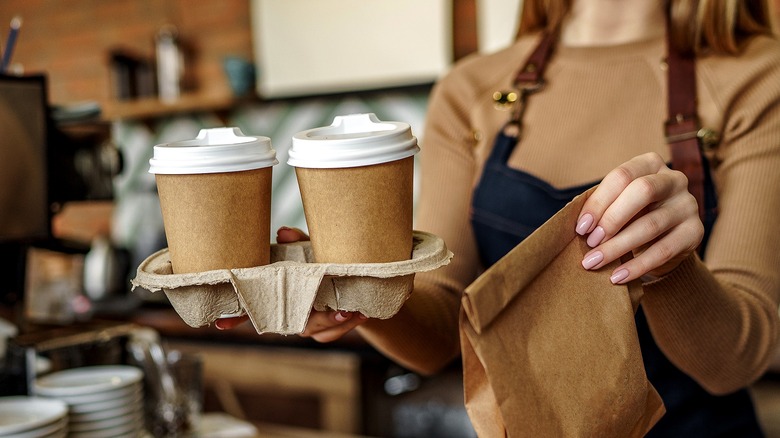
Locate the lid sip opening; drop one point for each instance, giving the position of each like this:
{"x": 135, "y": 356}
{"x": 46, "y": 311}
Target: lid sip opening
{"x": 214, "y": 150}
{"x": 351, "y": 141}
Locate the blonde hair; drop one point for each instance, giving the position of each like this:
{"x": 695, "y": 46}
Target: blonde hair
{"x": 697, "y": 26}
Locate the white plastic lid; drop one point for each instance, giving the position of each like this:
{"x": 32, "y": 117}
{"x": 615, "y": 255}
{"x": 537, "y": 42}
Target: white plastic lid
{"x": 214, "y": 150}
{"x": 351, "y": 141}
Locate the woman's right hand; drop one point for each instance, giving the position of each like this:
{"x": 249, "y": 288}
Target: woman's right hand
{"x": 322, "y": 326}
{"x": 328, "y": 326}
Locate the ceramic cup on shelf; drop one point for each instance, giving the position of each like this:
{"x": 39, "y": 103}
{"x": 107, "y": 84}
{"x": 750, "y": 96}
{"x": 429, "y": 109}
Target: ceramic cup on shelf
{"x": 240, "y": 73}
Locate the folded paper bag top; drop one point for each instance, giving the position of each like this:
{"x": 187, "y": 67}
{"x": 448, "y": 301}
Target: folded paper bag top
{"x": 551, "y": 349}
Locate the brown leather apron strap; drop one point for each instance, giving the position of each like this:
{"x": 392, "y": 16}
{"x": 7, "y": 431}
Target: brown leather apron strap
{"x": 682, "y": 126}
{"x": 528, "y": 80}
{"x": 531, "y": 75}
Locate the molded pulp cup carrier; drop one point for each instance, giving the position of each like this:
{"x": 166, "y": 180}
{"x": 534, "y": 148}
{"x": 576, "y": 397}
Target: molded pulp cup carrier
{"x": 356, "y": 183}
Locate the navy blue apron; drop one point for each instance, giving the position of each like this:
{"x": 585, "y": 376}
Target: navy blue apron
{"x": 509, "y": 204}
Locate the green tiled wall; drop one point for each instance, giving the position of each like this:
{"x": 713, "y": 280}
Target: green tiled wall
{"x": 138, "y": 221}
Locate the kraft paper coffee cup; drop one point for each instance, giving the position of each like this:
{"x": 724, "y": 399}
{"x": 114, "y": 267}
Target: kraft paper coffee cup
{"x": 215, "y": 196}
{"x": 356, "y": 182}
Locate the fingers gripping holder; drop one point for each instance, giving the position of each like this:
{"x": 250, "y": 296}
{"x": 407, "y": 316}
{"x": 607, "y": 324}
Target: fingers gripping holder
{"x": 279, "y": 297}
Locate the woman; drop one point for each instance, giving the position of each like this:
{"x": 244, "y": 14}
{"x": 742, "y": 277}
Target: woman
{"x": 707, "y": 328}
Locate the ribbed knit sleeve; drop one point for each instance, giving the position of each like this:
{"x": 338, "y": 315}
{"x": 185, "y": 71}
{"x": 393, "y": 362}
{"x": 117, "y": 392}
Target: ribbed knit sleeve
{"x": 424, "y": 335}
{"x": 718, "y": 320}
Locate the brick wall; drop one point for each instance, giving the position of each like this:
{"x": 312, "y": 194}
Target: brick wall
{"x": 70, "y": 40}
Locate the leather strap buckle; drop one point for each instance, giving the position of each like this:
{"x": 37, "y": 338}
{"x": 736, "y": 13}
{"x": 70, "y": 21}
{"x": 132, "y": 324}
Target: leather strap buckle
{"x": 681, "y": 128}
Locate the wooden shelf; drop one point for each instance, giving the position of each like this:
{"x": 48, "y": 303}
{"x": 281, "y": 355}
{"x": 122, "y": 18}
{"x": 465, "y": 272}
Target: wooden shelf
{"x": 244, "y": 380}
{"x": 147, "y": 108}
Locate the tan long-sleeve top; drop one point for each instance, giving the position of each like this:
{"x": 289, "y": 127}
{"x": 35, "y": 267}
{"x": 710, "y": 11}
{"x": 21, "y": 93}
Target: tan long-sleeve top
{"x": 716, "y": 320}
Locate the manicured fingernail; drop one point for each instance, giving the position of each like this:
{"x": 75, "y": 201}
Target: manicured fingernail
{"x": 342, "y": 316}
{"x": 218, "y": 326}
{"x": 592, "y": 260}
{"x": 583, "y": 225}
{"x": 596, "y": 236}
{"x": 361, "y": 316}
{"x": 619, "y": 276}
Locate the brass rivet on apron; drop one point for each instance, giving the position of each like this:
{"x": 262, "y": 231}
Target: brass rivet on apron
{"x": 530, "y": 68}
{"x": 504, "y": 99}
{"x": 477, "y": 135}
{"x": 708, "y": 138}
{"x": 664, "y": 65}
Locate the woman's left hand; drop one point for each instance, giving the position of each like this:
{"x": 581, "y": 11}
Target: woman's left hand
{"x": 645, "y": 207}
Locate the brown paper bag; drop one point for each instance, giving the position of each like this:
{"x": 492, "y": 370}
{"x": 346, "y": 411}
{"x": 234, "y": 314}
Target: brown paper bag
{"x": 550, "y": 349}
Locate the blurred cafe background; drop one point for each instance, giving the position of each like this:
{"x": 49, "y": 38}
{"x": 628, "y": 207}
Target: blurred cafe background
{"x": 87, "y": 88}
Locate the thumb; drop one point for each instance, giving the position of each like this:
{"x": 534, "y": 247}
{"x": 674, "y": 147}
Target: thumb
{"x": 288, "y": 235}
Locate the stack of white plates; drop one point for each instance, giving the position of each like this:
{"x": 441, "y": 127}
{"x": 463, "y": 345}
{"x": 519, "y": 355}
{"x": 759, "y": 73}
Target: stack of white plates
{"x": 32, "y": 417}
{"x": 104, "y": 401}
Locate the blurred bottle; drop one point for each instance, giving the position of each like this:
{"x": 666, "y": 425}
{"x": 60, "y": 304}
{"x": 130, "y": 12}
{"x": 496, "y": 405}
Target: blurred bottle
{"x": 170, "y": 63}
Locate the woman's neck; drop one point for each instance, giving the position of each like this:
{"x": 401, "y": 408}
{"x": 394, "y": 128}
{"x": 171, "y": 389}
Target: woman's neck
{"x": 611, "y": 22}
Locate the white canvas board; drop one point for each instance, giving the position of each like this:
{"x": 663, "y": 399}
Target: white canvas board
{"x": 497, "y": 23}
{"x": 305, "y": 47}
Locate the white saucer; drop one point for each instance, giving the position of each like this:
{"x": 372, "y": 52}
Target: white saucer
{"x": 105, "y": 414}
{"x": 130, "y": 429}
{"x": 128, "y": 392}
{"x": 87, "y": 380}
{"x": 220, "y": 424}
{"x": 125, "y": 398}
{"x": 57, "y": 429}
{"x": 22, "y": 413}
{"x": 133, "y": 417}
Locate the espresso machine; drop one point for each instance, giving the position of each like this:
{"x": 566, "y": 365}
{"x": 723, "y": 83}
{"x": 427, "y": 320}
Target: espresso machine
{"x": 49, "y": 156}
